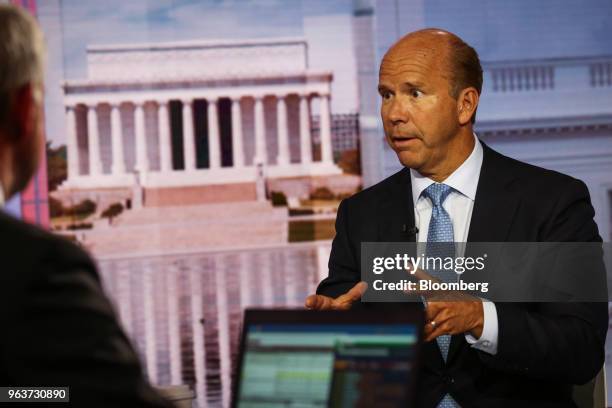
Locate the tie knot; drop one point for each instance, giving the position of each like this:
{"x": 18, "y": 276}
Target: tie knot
{"x": 437, "y": 193}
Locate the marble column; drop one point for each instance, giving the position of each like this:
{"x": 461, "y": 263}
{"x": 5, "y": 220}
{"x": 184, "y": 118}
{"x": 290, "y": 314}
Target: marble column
{"x": 95, "y": 161}
{"x": 261, "y": 156}
{"x": 165, "y": 142}
{"x": 142, "y": 159}
{"x": 72, "y": 144}
{"x": 325, "y": 131}
{"x": 188, "y": 136}
{"x": 214, "y": 145}
{"x": 305, "y": 142}
{"x": 237, "y": 146}
{"x": 281, "y": 125}
{"x": 118, "y": 166}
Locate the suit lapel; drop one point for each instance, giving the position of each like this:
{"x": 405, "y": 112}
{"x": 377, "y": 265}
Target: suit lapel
{"x": 494, "y": 210}
{"x": 496, "y": 203}
{"x": 396, "y": 211}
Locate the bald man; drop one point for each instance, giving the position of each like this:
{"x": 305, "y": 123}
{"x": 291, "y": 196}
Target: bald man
{"x": 478, "y": 353}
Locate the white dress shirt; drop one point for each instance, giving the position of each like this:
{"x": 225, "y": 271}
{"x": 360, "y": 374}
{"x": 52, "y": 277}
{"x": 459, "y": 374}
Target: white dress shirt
{"x": 458, "y": 205}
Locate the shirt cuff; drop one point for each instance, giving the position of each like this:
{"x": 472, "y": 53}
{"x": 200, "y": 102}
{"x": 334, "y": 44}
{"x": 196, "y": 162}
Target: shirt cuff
{"x": 490, "y": 330}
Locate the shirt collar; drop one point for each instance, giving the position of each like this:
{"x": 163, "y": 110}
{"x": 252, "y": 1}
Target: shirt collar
{"x": 464, "y": 179}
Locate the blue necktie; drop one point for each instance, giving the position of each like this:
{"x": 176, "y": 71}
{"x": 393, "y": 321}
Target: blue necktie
{"x": 440, "y": 243}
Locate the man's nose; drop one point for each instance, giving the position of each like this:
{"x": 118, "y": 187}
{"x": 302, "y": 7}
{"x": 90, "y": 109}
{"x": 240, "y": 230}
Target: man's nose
{"x": 397, "y": 112}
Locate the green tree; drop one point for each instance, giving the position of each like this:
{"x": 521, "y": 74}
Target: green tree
{"x": 57, "y": 167}
{"x": 112, "y": 211}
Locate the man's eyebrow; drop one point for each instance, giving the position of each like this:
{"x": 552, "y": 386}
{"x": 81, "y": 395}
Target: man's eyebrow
{"x": 415, "y": 84}
{"x": 406, "y": 85}
{"x": 382, "y": 88}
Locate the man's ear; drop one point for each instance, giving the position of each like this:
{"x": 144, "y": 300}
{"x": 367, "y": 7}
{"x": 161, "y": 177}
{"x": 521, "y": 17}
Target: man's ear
{"x": 467, "y": 102}
{"x": 24, "y": 105}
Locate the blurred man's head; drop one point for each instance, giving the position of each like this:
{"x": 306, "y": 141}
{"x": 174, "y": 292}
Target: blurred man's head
{"x": 430, "y": 82}
{"x": 21, "y": 96}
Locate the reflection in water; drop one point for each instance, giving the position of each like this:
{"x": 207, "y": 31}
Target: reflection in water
{"x": 183, "y": 312}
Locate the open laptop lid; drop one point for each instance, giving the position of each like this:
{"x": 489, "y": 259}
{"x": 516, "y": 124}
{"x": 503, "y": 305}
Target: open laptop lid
{"x": 328, "y": 359}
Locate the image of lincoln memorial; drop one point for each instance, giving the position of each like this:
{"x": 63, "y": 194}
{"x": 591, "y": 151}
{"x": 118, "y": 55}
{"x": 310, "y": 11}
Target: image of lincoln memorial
{"x": 200, "y": 120}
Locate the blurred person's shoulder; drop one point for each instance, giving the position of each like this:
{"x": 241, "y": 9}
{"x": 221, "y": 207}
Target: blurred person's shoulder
{"x": 29, "y": 241}
{"x": 28, "y": 252}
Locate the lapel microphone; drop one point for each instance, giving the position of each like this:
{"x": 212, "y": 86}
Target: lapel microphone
{"x": 411, "y": 230}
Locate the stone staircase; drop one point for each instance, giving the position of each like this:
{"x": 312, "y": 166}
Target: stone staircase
{"x": 164, "y": 230}
{"x": 218, "y": 212}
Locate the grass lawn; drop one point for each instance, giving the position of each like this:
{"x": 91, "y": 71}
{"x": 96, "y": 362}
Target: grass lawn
{"x": 300, "y": 231}
{"x": 320, "y": 203}
{"x": 66, "y": 220}
{"x": 69, "y": 218}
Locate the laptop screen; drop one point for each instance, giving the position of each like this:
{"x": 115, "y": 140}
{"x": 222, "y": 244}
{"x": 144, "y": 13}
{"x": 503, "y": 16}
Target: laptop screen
{"x": 320, "y": 365}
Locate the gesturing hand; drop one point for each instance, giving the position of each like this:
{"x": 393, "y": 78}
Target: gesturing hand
{"x": 454, "y": 316}
{"x": 450, "y": 312}
{"x": 342, "y": 302}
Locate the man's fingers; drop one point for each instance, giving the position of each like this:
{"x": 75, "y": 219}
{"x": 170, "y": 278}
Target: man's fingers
{"x": 439, "y": 316}
{"x": 354, "y": 294}
{"x": 438, "y": 321}
{"x": 310, "y": 301}
{"x": 356, "y": 291}
{"x": 434, "y": 310}
{"x": 427, "y": 294}
{"x": 342, "y": 302}
{"x": 452, "y": 317}
{"x": 420, "y": 274}
{"x": 438, "y": 330}
{"x": 318, "y": 302}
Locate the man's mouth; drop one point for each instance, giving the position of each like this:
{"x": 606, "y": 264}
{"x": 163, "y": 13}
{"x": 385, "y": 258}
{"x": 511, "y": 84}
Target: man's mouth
{"x": 401, "y": 139}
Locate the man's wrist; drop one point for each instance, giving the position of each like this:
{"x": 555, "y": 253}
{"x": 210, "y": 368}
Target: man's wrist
{"x": 487, "y": 341}
{"x": 478, "y": 326}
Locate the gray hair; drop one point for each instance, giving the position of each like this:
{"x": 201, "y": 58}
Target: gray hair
{"x": 22, "y": 55}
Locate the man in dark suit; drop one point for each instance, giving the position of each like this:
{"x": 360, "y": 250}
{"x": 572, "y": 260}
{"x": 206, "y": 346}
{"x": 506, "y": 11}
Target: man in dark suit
{"x": 455, "y": 188}
{"x": 58, "y": 327}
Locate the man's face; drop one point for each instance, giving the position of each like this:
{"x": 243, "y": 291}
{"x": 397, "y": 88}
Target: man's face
{"x": 29, "y": 147}
{"x": 419, "y": 116}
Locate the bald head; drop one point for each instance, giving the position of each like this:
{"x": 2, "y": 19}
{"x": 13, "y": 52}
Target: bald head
{"x": 431, "y": 39}
{"x": 430, "y": 84}
{"x": 441, "y": 50}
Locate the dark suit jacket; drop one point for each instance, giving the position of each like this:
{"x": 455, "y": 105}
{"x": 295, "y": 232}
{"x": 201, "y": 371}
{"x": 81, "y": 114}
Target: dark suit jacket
{"x": 543, "y": 348}
{"x": 57, "y": 326}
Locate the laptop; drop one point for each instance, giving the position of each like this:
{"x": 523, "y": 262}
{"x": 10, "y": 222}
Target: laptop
{"x": 304, "y": 359}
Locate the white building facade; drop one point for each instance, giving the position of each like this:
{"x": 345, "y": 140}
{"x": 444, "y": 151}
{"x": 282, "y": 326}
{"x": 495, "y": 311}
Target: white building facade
{"x": 196, "y": 113}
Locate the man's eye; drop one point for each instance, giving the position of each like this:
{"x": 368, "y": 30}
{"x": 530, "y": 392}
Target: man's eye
{"x": 415, "y": 93}
{"x": 386, "y": 95}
